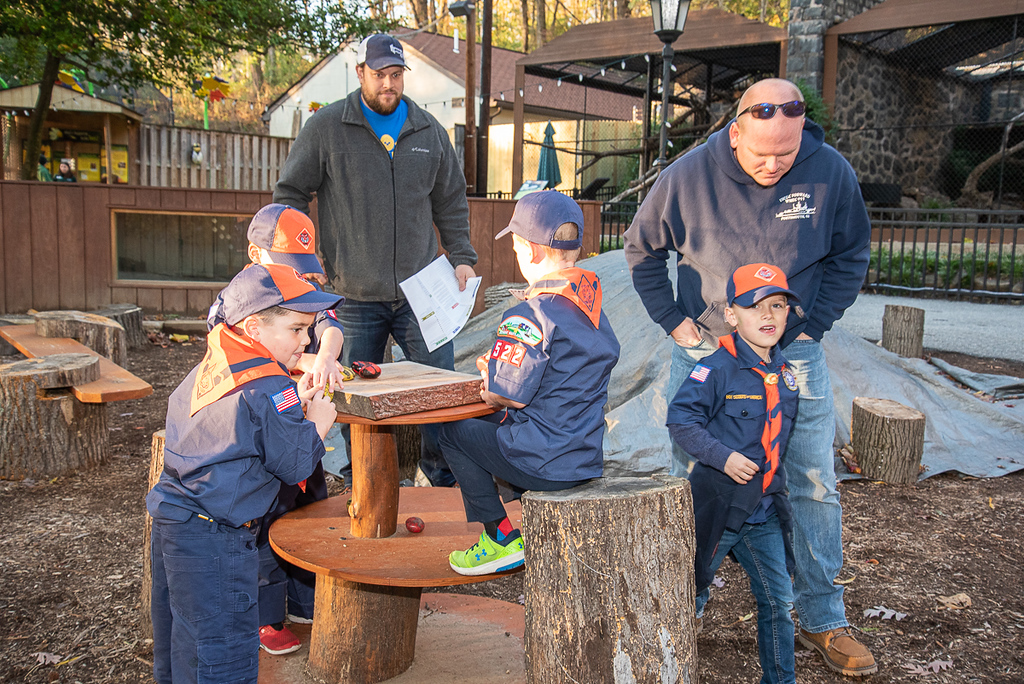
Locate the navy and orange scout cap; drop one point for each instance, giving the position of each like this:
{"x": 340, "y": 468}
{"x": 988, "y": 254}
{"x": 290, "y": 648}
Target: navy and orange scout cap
{"x": 751, "y": 283}
{"x": 539, "y": 215}
{"x": 262, "y": 286}
{"x": 288, "y": 235}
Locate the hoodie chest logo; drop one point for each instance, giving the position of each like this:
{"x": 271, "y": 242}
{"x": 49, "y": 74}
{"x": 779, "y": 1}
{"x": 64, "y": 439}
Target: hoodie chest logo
{"x": 798, "y": 207}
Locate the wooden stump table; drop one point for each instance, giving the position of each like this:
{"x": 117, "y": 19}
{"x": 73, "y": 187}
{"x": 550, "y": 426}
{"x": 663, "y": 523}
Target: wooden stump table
{"x": 371, "y": 571}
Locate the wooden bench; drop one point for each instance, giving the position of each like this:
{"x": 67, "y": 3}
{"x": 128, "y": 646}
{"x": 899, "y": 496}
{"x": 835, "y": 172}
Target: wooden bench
{"x": 55, "y": 430}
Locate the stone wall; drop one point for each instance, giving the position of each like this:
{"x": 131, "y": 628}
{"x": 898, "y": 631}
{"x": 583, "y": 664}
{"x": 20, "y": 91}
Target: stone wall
{"x": 895, "y": 124}
{"x": 808, "y": 21}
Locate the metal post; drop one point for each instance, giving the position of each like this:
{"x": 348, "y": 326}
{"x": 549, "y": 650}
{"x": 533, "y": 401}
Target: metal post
{"x": 667, "y": 54}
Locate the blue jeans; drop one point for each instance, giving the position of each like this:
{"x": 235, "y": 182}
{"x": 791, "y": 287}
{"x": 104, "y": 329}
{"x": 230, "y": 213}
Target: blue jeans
{"x": 205, "y": 603}
{"x": 471, "y": 447}
{"x": 761, "y": 550}
{"x": 810, "y": 473}
{"x": 367, "y": 326}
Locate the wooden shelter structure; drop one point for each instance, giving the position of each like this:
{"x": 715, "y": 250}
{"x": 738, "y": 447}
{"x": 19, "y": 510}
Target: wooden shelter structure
{"x": 95, "y": 134}
{"x": 959, "y": 31}
{"x": 716, "y": 54}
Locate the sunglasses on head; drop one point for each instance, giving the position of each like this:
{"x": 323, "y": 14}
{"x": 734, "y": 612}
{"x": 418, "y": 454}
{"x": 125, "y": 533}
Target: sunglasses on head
{"x": 766, "y": 110}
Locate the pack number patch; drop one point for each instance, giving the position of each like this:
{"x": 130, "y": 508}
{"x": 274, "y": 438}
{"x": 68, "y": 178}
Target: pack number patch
{"x": 522, "y": 329}
{"x": 509, "y": 353}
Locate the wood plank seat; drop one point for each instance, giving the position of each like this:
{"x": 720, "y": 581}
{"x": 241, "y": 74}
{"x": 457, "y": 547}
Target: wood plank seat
{"x": 115, "y": 383}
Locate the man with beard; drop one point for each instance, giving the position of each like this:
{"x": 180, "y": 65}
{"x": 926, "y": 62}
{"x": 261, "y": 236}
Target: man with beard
{"x": 384, "y": 173}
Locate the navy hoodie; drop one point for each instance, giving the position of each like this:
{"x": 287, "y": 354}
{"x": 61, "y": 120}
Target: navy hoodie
{"x": 812, "y": 224}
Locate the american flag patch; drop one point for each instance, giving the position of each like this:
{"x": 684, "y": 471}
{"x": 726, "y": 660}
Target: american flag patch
{"x": 330, "y": 314}
{"x": 700, "y": 372}
{"x": 285, "y": 399}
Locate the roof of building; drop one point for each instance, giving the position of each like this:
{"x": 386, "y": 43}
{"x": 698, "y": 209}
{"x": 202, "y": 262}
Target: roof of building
{"x": 24, "y": 97}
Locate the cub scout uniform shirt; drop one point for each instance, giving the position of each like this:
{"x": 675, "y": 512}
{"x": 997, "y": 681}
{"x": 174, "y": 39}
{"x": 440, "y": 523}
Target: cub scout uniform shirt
{"x": 235, "y": 431}
{"x": 555, "y": 353}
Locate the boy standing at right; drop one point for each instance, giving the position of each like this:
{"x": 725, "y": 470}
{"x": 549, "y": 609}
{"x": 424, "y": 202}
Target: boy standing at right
{"x": 733, "y": 414}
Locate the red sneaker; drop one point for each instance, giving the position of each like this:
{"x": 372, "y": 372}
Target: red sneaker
{"x": 278, "y": 641}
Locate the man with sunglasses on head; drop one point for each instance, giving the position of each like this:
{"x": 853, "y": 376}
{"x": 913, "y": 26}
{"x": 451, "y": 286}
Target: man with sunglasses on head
{"x": 768, "y": 188}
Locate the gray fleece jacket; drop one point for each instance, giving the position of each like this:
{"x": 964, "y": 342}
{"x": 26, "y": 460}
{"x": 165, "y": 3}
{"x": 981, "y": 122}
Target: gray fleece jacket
{"x": 376, "y": 213}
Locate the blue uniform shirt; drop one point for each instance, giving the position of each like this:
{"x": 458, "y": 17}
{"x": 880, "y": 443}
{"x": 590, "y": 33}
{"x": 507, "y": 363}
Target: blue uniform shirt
{"x": 722, "y": 408}
{"x": 227, "y": 461}
{"x": 549, "y": 356}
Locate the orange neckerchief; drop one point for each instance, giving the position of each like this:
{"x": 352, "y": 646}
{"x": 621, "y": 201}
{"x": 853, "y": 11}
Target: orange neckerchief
{"x": 580, "y": 287}
{"x": 231, "y": 361}
{"x": 773, "y": 419}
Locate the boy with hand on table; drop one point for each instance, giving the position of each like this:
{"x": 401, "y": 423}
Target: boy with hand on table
{"x": 549, "y": 371}
{"x": 236, "y": 429}
{"x": 279, "y": 234}
{"x": 734, "y": 414}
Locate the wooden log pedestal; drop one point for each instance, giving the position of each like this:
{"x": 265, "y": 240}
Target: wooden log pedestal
{"x": 44, "y": 430}
{"x": 156, "y": 466}
{"x": 609, "y": 594}
{"x": 99, "y": 333}
{"x": 130, "y": 318}
{"x": 903, "y": 331}
{"x": 368, "y": 590}
{"x": 888, "y": 438}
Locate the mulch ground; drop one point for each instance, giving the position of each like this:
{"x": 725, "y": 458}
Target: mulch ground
{"x": 938, "y": 565}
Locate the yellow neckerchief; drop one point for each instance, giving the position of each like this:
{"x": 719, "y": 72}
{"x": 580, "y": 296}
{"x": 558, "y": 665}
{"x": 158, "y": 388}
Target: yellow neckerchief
{"x": 582, "y": 288}
{"x": 231, "y": 361}
{"x": 773, "y": 416}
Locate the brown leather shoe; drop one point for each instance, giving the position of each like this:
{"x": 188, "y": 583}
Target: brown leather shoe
{"x": 841, "y": 651}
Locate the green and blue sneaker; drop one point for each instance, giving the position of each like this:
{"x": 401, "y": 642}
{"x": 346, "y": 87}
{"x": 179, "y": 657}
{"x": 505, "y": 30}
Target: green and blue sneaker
{"x": 487, "y": 555}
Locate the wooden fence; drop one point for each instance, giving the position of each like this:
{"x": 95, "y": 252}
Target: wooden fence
{"x": 59, "y": 244}
{"x": 230, "y": 161}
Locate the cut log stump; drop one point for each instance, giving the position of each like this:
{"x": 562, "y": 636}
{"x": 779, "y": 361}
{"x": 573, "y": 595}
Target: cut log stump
{"x": 130, "y": 318}
{"x": 609, "y": 582}
{"x": 903, "y": 331}
{"x": 102, "y": 335}
{"x": 44, "y": 430}
{"x": 888, "y": 438}
{"x": 156, "y": 466}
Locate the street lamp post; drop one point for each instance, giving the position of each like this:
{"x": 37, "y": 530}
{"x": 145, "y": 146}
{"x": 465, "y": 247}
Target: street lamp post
{"x": 669, "y": 17}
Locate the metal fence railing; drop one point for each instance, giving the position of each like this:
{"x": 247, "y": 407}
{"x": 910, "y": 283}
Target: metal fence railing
{"x": 615, "y": 219}
{"x": 961, "y": 253}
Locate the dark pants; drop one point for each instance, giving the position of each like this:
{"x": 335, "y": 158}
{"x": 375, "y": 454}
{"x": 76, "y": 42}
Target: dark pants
{"x": 287, "y": 588}
{"x": 205, "y": 611}
{"x": 472, "y": 451}
{"x": 367, "y": 326}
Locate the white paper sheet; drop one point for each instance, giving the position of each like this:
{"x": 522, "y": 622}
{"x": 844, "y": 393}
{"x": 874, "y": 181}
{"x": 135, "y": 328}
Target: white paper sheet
{"x": 442, "y": 310}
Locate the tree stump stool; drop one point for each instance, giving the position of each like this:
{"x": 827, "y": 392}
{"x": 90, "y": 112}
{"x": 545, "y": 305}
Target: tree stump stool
{"x": 102, "y": 335}
{"x": 44, "y": 430}
{"x": 130, "y": 318}
{"x": 609, "y": 582}
{"x": 156, "y": 466}
{"x": 903, "y": 331}
{"x": 888, "y": 438}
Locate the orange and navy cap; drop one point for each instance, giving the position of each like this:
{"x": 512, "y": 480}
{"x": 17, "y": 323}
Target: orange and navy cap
{"x": 262, "y": 286}
{"x": 288, "y": 235}
{"x": 751, "y": 283}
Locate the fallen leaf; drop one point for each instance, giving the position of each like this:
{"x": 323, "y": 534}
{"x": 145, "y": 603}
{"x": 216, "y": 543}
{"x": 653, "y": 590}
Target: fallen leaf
{"x": 871, "y": 561}
{"x": 929, "y": 669}
{"x": 955, "y": 602}
{"x": 718, "y": 582}
{"x": 884, "y": 613}
{"x": 990, "y": 504}
{"x": 178, "y": 338}
{"x": 845, "y": 581}
{"x": 44, "y": 658}
{"x": 746, "y": 617}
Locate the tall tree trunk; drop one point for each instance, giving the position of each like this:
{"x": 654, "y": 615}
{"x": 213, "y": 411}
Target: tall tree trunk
{"x": 524, "y": 5}
{"x": 540, "y": 23}
{"x": 51, "y": 69}
{"x": 419, "y": 12}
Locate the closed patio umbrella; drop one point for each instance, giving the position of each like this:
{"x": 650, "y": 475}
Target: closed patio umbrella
{"x": 547, "y": 169}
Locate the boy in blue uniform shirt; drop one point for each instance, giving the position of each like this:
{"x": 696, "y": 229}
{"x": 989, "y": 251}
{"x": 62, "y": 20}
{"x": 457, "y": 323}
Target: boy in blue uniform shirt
{"x": 548, "y": 371}
{"x": 733, "y": 414}
{"x": 279, "y": 234}
{"x": 235, "y": 431}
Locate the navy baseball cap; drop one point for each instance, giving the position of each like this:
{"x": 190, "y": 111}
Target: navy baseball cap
{"x": 261, "y": 286}
{"x": 538, "y": 215}
{"x": 288, "y": 235}
{"x": 751, "y": 283}
{"x": 380, "y": 51}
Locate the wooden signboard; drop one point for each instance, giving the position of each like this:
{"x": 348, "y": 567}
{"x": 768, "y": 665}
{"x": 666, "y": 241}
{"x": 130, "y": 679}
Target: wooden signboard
{"x": 406, "y": 387}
